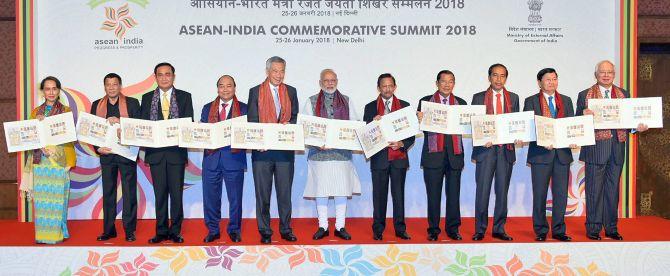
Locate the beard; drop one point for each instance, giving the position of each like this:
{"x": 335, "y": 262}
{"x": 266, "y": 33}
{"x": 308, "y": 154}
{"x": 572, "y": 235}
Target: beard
{"x": 329, "y": 90}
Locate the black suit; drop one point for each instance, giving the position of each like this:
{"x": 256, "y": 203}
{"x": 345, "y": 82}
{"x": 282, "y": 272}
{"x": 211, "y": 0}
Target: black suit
{"x": 110, "y": 166}
{"x": 277, "y": 164}
{"x": 495, "y": 161}
{"x": 439, "y": 167}
{"x": 604, "y": 162}
{"x": 382, "y": 170}
{"x": 167, "y": 167}
{"x": 545, "y": 165}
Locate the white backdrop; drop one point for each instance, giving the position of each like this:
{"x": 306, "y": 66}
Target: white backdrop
{"x": 570, "y": 36}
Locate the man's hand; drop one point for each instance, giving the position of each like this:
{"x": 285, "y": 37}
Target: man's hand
{"x": 488, "y": 144}
{"x": 574, "y": 146}
{"x": 396, "y": 145}
{"x": 113, "y": 120}
{"x": 323, "y": 148}
{"x": 518, "y": 143}
{"x": 549, "y": 147}
{"x": 642, "y": 127}
{"x": 589, "y": 112}
{"x": 40, "y": 117}
{"x": 419, "y": 115}
{"x": 377, "y": 118}
{"x": 47, "y": 151}
{"x": 104, "y": 150}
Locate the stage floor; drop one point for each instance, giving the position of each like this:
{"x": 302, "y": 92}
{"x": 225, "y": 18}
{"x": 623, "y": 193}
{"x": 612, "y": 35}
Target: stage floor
{"x": 84, "y": 232}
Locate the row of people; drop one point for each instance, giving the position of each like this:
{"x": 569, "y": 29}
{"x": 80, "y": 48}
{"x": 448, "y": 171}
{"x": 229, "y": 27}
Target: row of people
{"x": 331, "y": 173}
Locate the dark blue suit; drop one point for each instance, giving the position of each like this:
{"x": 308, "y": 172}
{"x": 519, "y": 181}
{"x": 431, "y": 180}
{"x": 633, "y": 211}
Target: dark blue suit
{"x": 223, "y": 165}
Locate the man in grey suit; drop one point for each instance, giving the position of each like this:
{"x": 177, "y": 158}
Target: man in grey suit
{"x": 273, "y": 102}
{"x": 604, "y": 160}
{"x": 548, "y": 163}
{"x": 494, "y": 161}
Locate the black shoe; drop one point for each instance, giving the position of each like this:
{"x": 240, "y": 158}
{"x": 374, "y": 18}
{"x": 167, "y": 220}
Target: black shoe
{"x": 105, "y": 237}
{"x": 266, "y": 239}
{"x": 343, "y": 234}
{"x": 502, "y": 236}
{"x": 403, "y": 235}
{"x": 540, "y": 238}
{"x": 432, "y": 236}
{"x": 593, "y": 236}
{"x": 455, "y": 236}
{"x": 561, "y": 237}
{"x": 177, "y": 239}
{"x": 235, "y": 237}
{"x": 320, "y": 234}
{"x": 158, "y": 239}
{"x": 211, "y": 237}
{"x": 614, "y": 236}
{"x": 289, "y": 237}
{"x": 130, "y": 237}
{"x": 478, "y": 237}
{"x": 377, "y": 236}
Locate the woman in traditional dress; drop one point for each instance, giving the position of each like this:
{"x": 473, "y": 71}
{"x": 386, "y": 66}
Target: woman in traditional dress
{"x": 49, "y": 184}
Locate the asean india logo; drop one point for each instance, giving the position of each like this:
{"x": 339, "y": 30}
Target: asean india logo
{"x": 118, "y": 21}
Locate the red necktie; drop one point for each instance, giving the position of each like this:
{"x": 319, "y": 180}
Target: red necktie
{"x": 499, "y": 109}
{"x": 222, "y": 114}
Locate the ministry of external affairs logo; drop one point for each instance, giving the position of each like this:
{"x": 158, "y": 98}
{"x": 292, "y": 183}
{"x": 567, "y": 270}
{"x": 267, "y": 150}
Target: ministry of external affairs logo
{"x": 118, "y": 21}
{"x": 535, "y": 6}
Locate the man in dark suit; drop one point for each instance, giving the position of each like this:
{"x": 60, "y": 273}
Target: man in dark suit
{"x": 547, "y": 163}
{"x": 604, "y": 160}
{"x": 113, "y": 106}
{"x": 167, "y": 164}
{"x": 388, "y": 164}
{"x": 442, "y": 160}
{"x": 224, "y": 164}
{"x": 273, "y": 101}
{"x": 493, "y": 160}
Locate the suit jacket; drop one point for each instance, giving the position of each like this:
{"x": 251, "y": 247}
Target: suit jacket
{"x": 602, "y": 150}
{"x": 133, "y": 112}
{"x": 480, "y": 153}
{"x": 380, "y": 160}
{"x": 223, "y": 158}
{"x": 436, "y": 160}
{"x": 253, "y": 116}
{"x": 541, "y": 155}
{"x": 173, "y": 155}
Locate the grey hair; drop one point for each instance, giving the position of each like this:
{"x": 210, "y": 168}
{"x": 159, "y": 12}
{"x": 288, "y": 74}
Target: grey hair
{"x": 601, "y": 63}
{"x": 274, "y": 59}
{"x": 327, "y": 70}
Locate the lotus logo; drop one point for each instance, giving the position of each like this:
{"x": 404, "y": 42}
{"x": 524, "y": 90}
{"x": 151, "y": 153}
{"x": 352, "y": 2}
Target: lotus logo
{"x": 118, "y": 20}
{"x": 535, "y": 6}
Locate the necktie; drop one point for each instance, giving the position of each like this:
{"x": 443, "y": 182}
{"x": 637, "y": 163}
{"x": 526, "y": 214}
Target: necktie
{"x": 277, "y": 102}
{"x": 499, "y": 109}
{"x": 223, "y": 114}
{"x": 444, "y": 101}
{"x": 165, "y": 106}
{"x": 607, "y": 94}
{"x": 387, "y": 107}
{"x": 552, "y": 109}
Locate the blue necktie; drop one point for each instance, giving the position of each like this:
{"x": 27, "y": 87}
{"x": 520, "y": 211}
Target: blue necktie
{"x": 607, "y": 94}
{"x": 552, "y": 109}
{"x": 277, "y": 102}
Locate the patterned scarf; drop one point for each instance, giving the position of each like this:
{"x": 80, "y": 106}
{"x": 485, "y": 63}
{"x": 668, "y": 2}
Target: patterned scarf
{"x": 174, "y": 108}
{"x": 436, "y": 140}
{"x": 213, "y": 117}
{"x": 340, "y": 106}
{"x": 488, "y": 101}
{"x": 266, "y": 104}
{"x": 392, "y": 154}
{"x": 101, "y": 111}
{"x": 604, "y": 134}
{"x": 544, "y": 106}
{"x": 56, "y": 109}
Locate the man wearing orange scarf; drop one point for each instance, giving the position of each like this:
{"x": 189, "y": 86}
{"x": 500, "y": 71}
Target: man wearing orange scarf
{"x": 390, "y": 164}
{"x": 604, "y": 160}
{"x": 547, "y": 163}
{"x": 494, "y": 161}
{"x": 113, "y": 106}
{"x": 275, "y": 102}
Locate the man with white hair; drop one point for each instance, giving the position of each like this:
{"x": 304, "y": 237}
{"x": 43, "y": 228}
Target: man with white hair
{"x": 604, "y": 160}
{"x": 331, "y": 172}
